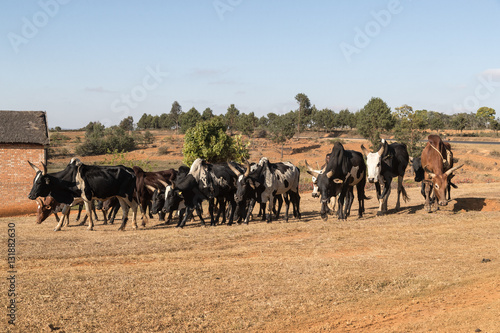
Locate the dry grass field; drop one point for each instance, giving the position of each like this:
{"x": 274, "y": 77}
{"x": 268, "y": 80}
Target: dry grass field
{"x": 408, "y": 271}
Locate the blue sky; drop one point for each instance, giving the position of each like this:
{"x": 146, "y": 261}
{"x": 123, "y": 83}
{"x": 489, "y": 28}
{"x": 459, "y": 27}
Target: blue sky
{"x": 93, "y": 60}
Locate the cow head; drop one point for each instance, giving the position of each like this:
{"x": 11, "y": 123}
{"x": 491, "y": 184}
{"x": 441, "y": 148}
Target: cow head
{"x": 440, "y": 183}
{"x": 44, "y": 208}
{"x": 328, "y": 187}
{"x": 242, "y": 183}
{"x": 41, "y": 182}
{"x": 374, "y": 162}
{"x": 157, "y": 200}
{"x": 314, "y": 179}
{"x": 172, "y": 199}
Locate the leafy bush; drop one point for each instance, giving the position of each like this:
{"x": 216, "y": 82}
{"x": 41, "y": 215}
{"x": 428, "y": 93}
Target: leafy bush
{"x": 116, "y": 157}
{"x": 163, "y": 150}
{"x": 208, "y": 140}
{"x": 99, "y": 140}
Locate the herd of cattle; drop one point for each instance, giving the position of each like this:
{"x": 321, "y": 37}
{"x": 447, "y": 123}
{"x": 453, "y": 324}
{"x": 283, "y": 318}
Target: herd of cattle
{"x": 241, "y": 186}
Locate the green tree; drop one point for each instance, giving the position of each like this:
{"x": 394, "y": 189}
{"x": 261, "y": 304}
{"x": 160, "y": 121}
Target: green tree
{"x": 407, "y": 128}
{"x": 208, "y": 140}
{"x": 304, "y": 110}
{"x": 374, "y": 118}
{"x": 459, "y": 121}
{"x": 143, "y": 122}
{"x": 165, "y": 121}
{"x": 189, "y": 119}
{"x": 127, "y": 124}
{"x": 486, "y": 114}
{"x": 231, "y": 118}
{"x": 247, "y": 123}
{"x": 175, "y": 114}
{"x": 282, "y": 128}
{"x": 207, "y": 114}
{"x": 346, "y": 119}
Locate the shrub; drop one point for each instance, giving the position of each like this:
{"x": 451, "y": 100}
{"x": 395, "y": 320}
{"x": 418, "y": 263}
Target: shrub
{"x": 99, "y": 141}
{"x": 208, "y": 140}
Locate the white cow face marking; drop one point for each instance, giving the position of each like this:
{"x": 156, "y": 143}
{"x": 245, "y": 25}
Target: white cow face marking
{"x": 373, "y": 161}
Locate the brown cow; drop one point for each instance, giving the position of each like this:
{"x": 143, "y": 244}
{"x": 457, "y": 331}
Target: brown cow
{"x": 437, "y": 162}
{"x": 46, "y": 207}
{"x": 151, "y": 179}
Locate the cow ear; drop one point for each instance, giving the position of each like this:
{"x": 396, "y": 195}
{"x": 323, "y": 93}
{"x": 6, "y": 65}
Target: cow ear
{"x": 411, "y": 159}
{"x": 329, "y": 174}
{"x": 47, "y": 180}
{"x": 338, "y": 181}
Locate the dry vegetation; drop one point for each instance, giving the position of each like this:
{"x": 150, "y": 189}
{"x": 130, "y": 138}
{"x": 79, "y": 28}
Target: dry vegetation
{"x": 409, "y": 271}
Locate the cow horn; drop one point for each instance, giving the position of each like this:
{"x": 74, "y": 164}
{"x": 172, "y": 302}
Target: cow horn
{"x": 34, "y": 167}
{"x": 44, "y": 168}
{"x": 247, "y": 171}
{"x": 151, "y": 188}
{"x": 233, "y": 169}
{"x": 164, "y": 183}
{"x": 381, "y": 150}
{"x": 364, "y": 150}
{"x": 453, "y": 169}
{"x": 311, "y": 171}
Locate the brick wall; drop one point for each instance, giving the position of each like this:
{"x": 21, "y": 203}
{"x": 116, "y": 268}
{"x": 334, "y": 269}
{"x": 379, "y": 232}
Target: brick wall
{"x": 16, "y": 177}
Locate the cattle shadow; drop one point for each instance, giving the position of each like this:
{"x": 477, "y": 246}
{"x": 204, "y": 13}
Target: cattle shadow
{"x": 469, "y": 204}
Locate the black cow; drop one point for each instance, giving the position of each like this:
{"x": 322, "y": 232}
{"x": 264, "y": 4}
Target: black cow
{"x": 88, "y": 182}
{"x": 249, "y": 191}
{"x": 388, "y": 162}
{"x": 345, "y": 169}
{"x": 206, "y": 181}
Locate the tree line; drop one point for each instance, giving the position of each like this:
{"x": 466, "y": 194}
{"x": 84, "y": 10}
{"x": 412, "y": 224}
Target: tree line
{"x": 374, "y": 119}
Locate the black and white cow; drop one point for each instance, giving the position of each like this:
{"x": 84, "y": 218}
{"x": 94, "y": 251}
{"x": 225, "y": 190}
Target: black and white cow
{"x": 206, "y": 181}
{"x": 344, "y": 170}
{"x": 269, "y": 180}
{"x": 248, "y": 193}
{"x": 388, "y": 162}
{"x": 88, "y": 182}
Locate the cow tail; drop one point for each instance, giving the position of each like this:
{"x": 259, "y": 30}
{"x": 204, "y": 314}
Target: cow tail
{"x": 406, "y": 198}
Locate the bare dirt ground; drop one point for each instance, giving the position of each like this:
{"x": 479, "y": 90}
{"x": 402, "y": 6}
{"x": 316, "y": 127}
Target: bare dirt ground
{"x": 408, "y": 271}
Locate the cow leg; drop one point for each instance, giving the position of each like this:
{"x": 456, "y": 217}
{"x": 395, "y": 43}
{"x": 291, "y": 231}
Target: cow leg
{"x": 88, "y": 209}
{"x": 211, "y": 204}
{"x": 144, "y": 217}
{"x": 233, "y": 209}
{"x": 251, "y": 204}
{"x": 161, "y": 216}
{"x": 262, "y": 211}
{"x": 400, "y": 188}
{"x": 350, "y": 199}
{"x": 189, "y": 214}
{"x": 287, "y": 206}
{"x": 125, "y": 205}
{"x": 278, "y": 198}
{"x": 113, "y": 213}
{"x": 57, "y": 217}
{"x": 269, "y": 216}
{"x": 427, "y": 191}
{"x": 80, "y": 207}
{"x": 94, "y": 210}
{"x": 64, "y": 212}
